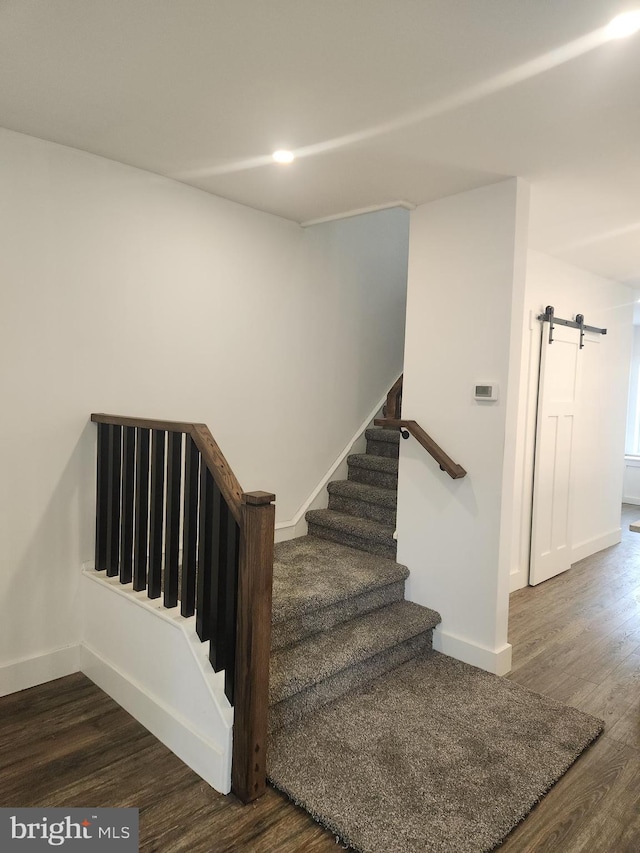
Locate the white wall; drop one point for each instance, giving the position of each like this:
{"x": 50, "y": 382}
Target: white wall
{"x": 599, "y": 431}
{"x": 465, "y": 292}
{"x": 129, "y": 293}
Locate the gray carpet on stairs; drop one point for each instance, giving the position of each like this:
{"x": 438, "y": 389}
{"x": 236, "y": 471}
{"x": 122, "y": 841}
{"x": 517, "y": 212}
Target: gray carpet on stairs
{"x": 318, "y": 584}
{"x": 363, "y": 500}
{"x": 434, "y": 757}
{"x": 352, "y": 531}
{"x": 383, "y": 442}
{"x": 310, "y": 573}
{"x": 305, "y": 702}
{"x": 327, "y": 664}
{"x": 374, "y": 470}
{"x": 297, "y": 667}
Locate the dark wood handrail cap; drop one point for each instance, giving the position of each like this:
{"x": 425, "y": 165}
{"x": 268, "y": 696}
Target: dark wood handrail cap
{"x": 211, "y": 454}
{"x": 144, "y": 423}
{"x": 258, "y": 498}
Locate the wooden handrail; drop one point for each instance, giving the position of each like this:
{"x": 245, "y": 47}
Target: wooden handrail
{"x": 445, "y": 462}
{"x": 392, "y": 419}
{"x": 226, "y": 584}
{"x": 211, "y": 454}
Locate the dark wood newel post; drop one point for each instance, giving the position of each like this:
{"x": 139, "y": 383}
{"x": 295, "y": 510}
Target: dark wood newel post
{"x": 253, "y": 646}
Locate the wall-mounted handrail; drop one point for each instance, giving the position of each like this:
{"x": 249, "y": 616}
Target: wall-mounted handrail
{"x": 445, "y": 462}
{"x": 393, "y": 420}
{"x": 163, "y": 484}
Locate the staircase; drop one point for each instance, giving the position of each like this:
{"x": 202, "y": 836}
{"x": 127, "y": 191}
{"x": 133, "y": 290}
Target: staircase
{"x": 362, "y": 509}
{"x": 339, "y": 614}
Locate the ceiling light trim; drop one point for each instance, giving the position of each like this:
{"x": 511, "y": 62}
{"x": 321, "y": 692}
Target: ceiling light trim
{"x": 374, "y": 208}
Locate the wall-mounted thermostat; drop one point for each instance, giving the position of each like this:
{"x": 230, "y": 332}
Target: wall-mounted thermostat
{"x": 486, "y": 391}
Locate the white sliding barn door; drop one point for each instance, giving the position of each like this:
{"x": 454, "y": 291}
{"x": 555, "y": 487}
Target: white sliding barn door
{"x": 551, "y": 518}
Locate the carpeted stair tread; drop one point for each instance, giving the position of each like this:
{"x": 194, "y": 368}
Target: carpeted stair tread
{"x": 363, "y": 500}
{"x": 387, "y": 498}
{"x": 290, "y": 711}
{"x": 383, "y": 442}
{"x": 363, "y": 528}
{"x": 391, "y": 436}
{"x": 435, "y": 756}
{"x": 298, "y": 667}
{"x": 296, "y": 628}
{"x": 311, "y": 573}
{"x": 381, "y": 464}
{"x": 376, "y": 469}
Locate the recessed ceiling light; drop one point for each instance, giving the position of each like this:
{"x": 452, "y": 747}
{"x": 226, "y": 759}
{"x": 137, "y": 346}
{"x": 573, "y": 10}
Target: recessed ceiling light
{"x": 623, "y": 25}
{"x": 283, "y": 156}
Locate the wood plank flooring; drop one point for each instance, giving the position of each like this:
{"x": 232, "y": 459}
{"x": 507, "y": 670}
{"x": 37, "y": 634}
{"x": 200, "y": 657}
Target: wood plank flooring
{"x": 66, "y": 743}
{"x": 575, "y": 637}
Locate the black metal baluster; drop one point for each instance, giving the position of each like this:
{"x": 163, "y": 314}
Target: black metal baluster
{"x": 126, "y": 529}
{"x": 156, "y": 515}
{"x": 102, "y": 497}
{"x": 114, "y": 476}
{"x": 142, "y": 511}
{"x": 172, "y": 542}
{"x": 230, "y": 621}
{"x": 190, "y": 529}
{"x": 225, "y": 548}
{"x": 216, "y": 589}
{"x": 205, "y": 552}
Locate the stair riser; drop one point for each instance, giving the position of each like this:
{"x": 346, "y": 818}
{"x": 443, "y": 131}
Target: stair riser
{"x": 294, "y": 708}
{"x": 373, "y": 478}
{"x": 293, "y": 630}
{"x": 380, "y": 548}
{"x": 363, "y": 509}
{"x": 382, "y": 448}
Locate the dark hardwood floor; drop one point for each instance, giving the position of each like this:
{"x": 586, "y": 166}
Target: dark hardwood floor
{"x": 66, "y": 743}
{"x": 575, "y": 637}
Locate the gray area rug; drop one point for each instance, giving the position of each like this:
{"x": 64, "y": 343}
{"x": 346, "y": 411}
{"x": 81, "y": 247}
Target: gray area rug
{"x": 434, "y": 756}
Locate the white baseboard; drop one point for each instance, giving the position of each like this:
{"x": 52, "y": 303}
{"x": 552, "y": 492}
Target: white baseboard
{"x": 497, "y": 661}
{"x": 29, "y": 672}
{"x": 631, "y": 499}
{"x": 291, "y": 529}
{"x": 592, "y": 546}
{"x": 517, "y": 580}
{"x": 198, "y": 753}
{"x": 297, "y": 526}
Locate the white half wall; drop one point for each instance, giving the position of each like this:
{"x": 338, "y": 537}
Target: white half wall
{"x": 155, "y": 666}
{"x": 129, "y": 293}
{"x": 464, "y": 306}
{"x": 599, "y": 431}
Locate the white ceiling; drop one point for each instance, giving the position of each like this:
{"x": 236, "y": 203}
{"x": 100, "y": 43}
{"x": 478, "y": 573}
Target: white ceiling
{"x": 384, "y": 100}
